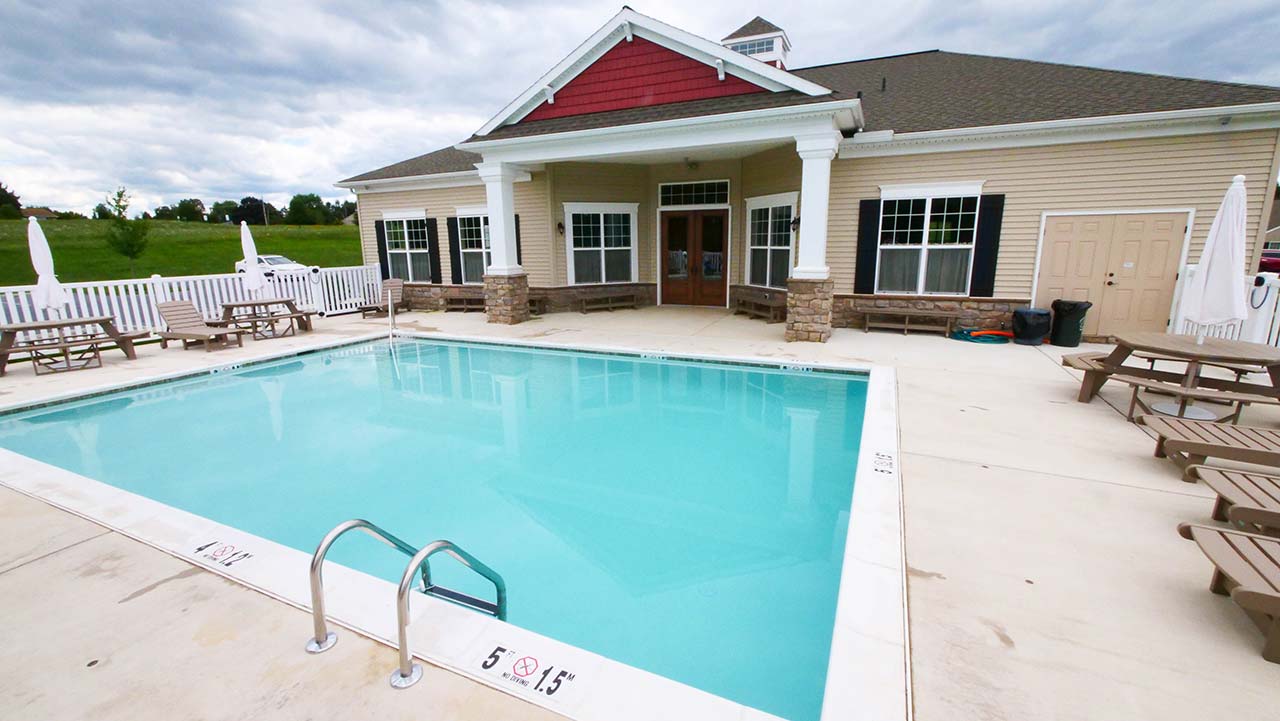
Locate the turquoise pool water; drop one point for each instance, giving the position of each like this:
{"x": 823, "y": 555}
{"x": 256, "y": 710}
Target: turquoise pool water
{"x": 686, "y": 518}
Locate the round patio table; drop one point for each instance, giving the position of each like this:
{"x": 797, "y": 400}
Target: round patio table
{"x": 1185, "y": 347}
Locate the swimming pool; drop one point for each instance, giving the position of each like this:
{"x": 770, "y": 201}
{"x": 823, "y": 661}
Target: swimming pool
{"x": 687, "y": 518}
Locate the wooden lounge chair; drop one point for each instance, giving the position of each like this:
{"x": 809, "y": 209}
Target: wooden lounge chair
{"x": 1234, "y": 401}
{"x": 1187, "y": 442}
{"x": 396, "y": 288}
{"x": 185, "y": 323}
{"x": 1247, "y": 568}
{"x": 1249, "y": 501}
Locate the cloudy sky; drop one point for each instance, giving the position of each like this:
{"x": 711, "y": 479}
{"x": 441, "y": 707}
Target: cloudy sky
{"x": 224, "y": 99}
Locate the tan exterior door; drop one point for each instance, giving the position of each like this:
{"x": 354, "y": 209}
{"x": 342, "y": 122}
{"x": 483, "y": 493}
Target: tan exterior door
{"x": 1125, "y": 264}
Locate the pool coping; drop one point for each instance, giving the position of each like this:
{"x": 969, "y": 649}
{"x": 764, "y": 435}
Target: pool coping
{"x": 869, "y": 670}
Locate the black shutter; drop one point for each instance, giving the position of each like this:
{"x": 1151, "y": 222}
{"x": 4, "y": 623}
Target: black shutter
{"x": 455, "y": 252}
{"x": 864, "y": 271}
{"x": 986, "y": 246}
{"x": 519, "y": 260}
{"x": 433, "y": 249}
{"x": 381, "y": 233}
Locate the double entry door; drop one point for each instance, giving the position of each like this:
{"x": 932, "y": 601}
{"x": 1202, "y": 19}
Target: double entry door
{"x": 694, "y": 256}
{"x": 1126, "y": 264}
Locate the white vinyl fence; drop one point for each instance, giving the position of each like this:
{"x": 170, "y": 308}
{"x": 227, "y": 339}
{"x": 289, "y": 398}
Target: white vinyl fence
{"x": 328, "y": 291}
{"x": 1262, "y": 324}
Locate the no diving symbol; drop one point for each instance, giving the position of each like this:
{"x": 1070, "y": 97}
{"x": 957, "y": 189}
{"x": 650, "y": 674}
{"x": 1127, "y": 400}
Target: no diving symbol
{"x": 525, "y": 666}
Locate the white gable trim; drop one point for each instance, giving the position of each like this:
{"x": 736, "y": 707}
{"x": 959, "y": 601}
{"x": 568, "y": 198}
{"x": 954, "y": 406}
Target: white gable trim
{"x": 629, "y": 23}
{"x": 456, "y": 179}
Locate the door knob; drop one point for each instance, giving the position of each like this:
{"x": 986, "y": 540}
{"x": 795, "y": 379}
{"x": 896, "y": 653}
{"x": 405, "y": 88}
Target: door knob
{"x": 1111, "y": 282}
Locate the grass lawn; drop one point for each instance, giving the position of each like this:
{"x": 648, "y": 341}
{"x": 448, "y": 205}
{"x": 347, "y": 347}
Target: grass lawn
{"x": 80, "y": 250}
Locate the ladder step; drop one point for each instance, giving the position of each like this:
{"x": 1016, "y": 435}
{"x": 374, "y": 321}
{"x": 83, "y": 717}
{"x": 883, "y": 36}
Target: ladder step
{"x": 462, "y": 599}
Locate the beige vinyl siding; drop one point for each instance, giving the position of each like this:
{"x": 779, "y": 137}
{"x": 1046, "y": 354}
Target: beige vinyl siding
{"x": 439, "y": 203}
{"x": 1175, "y": 172}
{"x": 600, "y": 183}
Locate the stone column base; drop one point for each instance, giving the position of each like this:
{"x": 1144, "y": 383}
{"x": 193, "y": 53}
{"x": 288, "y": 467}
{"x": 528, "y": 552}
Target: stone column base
{"x": 506, "y": 298}
{"x": 809, "y": 310}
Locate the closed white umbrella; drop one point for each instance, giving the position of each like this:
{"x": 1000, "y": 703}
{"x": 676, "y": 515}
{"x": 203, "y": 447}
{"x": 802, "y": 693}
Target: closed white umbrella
{"x": 254, "y": 281}
{"x": 1216, "y": 293}
{"x": 49, "y": 293}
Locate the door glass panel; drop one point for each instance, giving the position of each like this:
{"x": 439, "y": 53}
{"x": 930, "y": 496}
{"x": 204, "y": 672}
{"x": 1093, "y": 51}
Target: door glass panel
{"x": 677, "y": 246}
{"x": 713, "y": 247}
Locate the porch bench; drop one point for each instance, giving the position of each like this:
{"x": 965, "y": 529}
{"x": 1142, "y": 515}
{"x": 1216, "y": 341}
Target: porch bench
{"x": 772, "y": 308}
{"x": 609, "y": 301}
{"x": 936, "y": 321}
{"x": 464, "y": 304}
{"x": 538, "y": 306}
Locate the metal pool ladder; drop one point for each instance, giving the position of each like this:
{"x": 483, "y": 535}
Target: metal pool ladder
{"x": 408, "y": 673}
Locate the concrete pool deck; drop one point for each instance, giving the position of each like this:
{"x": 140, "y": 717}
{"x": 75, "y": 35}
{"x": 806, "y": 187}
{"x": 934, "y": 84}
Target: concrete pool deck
{"x": 1046, "y": 580}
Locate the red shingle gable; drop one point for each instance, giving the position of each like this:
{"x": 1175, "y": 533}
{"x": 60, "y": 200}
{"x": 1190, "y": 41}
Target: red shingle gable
{"x": 637, "y": 74}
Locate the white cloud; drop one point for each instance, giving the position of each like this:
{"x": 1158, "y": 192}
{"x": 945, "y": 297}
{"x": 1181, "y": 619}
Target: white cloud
{"x": 183, "y": 99}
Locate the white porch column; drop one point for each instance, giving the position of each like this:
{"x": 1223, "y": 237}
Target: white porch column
{"x": 816, "y": 153}
{"x": 500, "y": 192}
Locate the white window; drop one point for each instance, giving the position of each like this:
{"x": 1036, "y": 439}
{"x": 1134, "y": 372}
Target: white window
{"x": 473, "y": 242}
{"x": 698, "y": 193}
{"x": 926, "y": 239}
{"x": 770, "y": 239}
{"x": 407, "y": 254}
{"x": 753, "y": 47}
{"x": 600, "y": 242}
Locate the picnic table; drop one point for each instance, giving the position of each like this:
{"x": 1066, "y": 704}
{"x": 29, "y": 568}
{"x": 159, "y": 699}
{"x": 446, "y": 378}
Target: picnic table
{"x": 64, "y": 344}
{"x": 1213, "y": 351}
{"x": 264, "y": 317}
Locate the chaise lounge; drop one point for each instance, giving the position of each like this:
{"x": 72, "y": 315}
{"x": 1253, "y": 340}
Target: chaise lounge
{"x": 392, "y": 286}
{"x": 1189, "y": 442}
{"x": 185, "y": 323}
{"x": 1247, "y": 568}
{"x": 1249, "y": 501}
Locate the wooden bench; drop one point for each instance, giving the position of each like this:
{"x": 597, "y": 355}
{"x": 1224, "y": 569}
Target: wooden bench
{"x": 608, "y": 301}
{"x": 936, "y": 321}
{"x": 772, "y": 308}
{"x": 1185, "y": 396}
{"x": 464, "y": 304}
{"x": 1246, "y": 567}
{"x": 538, "y": 306}
{"x": 1188, "y": 442}
{"x": 56, "y": 346}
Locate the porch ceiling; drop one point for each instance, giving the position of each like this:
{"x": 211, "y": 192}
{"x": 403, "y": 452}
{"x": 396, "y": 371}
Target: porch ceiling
{"x": 680, "y": 155}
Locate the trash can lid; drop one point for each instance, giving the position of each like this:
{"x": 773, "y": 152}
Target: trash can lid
{"x": 1064, "y": 305}
{"x": 1030, "y": 311}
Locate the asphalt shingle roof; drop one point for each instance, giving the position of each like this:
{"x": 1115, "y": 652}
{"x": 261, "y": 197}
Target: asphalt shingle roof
{"x": 755, "y": 26}
{"x": 930, "y": 90}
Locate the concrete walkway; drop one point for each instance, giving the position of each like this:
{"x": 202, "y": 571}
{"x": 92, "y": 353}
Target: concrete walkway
{"x": 1046, "y": 578}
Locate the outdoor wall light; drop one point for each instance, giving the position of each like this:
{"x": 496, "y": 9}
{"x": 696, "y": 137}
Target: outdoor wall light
{"x": 560, "y": 228}
{"x": 795, "y": 224}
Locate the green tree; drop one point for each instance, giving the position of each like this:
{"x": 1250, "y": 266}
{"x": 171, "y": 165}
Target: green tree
{"x": 252, "y": 211}
{"x": 126, "y": 237}
{"x": 190, "y": 210}
{"x": 220, "y": 212}
{"x": 305, "y": 209}
{"x": 70, "y": 215}
{"x": 337, "y": 212}
{"x": 102, "y": 212}
{"x": 9, "y": 199}
{"x": 10, "y": 212}
{"x": 165, "y": 212}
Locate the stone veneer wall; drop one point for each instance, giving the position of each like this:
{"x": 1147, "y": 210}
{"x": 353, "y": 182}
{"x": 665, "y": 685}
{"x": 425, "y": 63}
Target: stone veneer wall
{"x": 427, "y": 296}
{"x": 809, "y": 306}
{"x": 991, "y": 313}
{"x": 506, "y": 298}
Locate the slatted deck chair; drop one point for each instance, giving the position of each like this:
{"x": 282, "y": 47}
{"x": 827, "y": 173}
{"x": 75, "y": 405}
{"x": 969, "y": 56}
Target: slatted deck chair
{"x": 1247, "y": 568}
{"x": 396, "y": 287}
{"x": 1188, "y": 442}
{"x": 185, "y": 323}
{"x": 1249, "y": 501}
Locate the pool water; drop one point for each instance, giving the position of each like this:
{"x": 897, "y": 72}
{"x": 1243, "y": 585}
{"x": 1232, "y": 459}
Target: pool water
{"x": 686, "y": 518}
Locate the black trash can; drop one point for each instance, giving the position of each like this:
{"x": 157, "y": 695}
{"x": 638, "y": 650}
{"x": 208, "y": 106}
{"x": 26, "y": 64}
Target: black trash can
{"x": 1068, "y": 322}
{"x": 1030, "y": 325}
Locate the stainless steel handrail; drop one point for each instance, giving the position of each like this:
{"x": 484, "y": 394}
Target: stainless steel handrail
{"x": 325, "y": 639}
{"x": 409, "y": 672}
